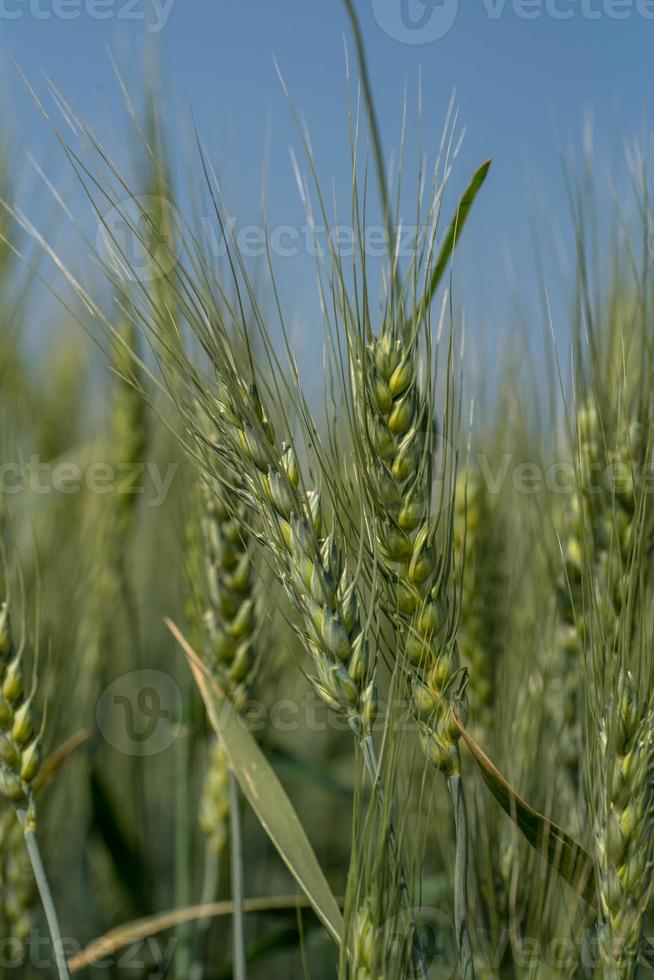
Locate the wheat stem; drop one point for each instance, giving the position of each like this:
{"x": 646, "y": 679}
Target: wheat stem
{"x": 375, "y": 134}
{"x": 455, "y": 786}
{"x": 211, "y": 877}
{"x": 372, "y": 765}
{"x": 182, "y": 852}
{"x": 236, "y": 850}
{"x": 43, "y": 886}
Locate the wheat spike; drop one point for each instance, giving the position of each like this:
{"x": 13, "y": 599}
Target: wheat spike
{"x": 598, "y": 538}
{"x": 304, "y": 552}
{"x": 478, "y": 550}
{"x": 624, "y": 828}
{"x": 20, "y": 741}
{"x": 228, "y": 626}
{"x": 398, "y": 434}
{"x": 16, "y": 882}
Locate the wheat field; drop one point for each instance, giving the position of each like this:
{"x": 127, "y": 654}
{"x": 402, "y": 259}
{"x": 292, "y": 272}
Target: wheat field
{"x": 348, "y": 674}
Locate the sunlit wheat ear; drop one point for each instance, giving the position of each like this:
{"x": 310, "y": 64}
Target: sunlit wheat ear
{"x": 624, "y": 828}
{"x": 17, "y": 892}
{"x": 20, "y": 741}
{"x": 304, "y": 554}
{"x": 397, "y": 439}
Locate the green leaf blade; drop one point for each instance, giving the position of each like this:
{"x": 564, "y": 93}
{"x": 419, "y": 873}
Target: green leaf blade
{"x": 562, "y": 852}
{"x": 453, "y": 234}
{"x": 265, "y": 794}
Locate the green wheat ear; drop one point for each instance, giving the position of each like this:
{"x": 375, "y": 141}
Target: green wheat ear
{"x": 304, "y": 553}
{"x": 396, "y": 441}
{"x": 230, "y": 620}
{"x": 479, "y": 554}
{"x": 366, "y": 953}
{"x": 624, "y": 834}
{"x": 108, "y": 566}
{"x": 20, "y": 740}
{"x": 17, "y": 892}
{"x": 129, "y": 424}
{"x": 20, "y": 761}
{"x": 397, "y": 438}
{"x": 599, "y": 535}
{"x": 227, "y": 629}
{"x": 215, "y": 804}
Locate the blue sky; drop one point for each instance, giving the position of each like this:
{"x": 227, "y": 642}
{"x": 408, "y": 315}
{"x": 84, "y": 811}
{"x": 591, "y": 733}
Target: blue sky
{"x": 526, "y": 78}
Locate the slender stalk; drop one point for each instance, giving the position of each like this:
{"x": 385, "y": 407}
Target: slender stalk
{"x": 43, "y": 886}
{"x": 455, "y": 786}
{"x": 211, "y": 877}
{"x": 375, "y": 135}
{"x": 182, "y": 852}
{"x": 239, "y": 970}
{"x": 372, "y": 117}
{"x": 370, "y": 758}
{"x": 210, "y": 882}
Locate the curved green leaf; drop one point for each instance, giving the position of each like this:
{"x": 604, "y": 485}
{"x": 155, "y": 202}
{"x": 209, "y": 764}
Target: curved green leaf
{"x": 562, "y": 852}
{"x": 453, "y": 234}
{"x": 265, "y": 794}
